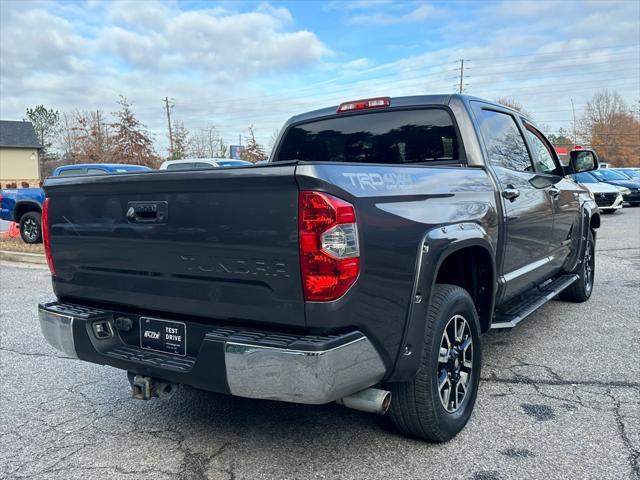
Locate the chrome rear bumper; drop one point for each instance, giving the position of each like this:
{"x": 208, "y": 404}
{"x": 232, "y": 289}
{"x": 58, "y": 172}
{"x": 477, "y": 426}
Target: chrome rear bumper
{"x": 57, "y": 329}
{"x": 307, "y": 369}
{"x": 299, "y": 376}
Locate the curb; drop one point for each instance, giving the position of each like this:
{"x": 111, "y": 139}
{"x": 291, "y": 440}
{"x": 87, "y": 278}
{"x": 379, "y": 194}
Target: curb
{"x": 23, "y": 257}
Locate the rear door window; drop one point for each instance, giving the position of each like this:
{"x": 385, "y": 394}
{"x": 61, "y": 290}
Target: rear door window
{"x": 503, "y": 140}
{"x": 390, "y": 137}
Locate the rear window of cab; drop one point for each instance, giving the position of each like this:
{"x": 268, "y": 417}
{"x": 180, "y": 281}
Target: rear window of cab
{"x": 389, "y": 137}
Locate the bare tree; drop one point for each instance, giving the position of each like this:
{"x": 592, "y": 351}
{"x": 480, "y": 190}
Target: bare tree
{"x": 205, "y": 143}
{"x": 68, "y": 138}
{"x": 513, "y": 104}
{"x": 93, "y": 138}
{"x": 609, "y": 126}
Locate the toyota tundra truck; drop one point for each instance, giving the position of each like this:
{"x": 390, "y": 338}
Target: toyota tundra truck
{"x": 360, "y": 265}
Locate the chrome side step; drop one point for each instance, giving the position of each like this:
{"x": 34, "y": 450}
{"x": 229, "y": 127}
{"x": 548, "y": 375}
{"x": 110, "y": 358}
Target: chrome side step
{"x": 514, "y": 311}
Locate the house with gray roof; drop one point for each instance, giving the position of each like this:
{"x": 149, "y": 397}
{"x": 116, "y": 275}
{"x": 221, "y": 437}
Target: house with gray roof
{"x": 19, "y": 153}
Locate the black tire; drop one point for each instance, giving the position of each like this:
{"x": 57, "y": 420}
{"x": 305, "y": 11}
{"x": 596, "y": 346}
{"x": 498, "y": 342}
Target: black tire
{"x": 417, "y": 408}
{"x": 634, "y": 204}
{"x": 31, "y": 227}
{"x": 580, "y": 290}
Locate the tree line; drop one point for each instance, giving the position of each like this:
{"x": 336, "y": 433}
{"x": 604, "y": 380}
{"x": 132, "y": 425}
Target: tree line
{"x": 608, "y": 125}
{"x": 89, "y": 137}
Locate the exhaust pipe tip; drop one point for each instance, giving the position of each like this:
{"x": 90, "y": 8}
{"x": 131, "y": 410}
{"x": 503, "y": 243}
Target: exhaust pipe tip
{"x": 371, "y": 400}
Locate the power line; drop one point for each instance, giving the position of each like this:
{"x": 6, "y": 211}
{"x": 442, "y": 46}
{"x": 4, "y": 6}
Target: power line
{"x": 493, "y": 70}
{"x": 336, "y": 86}
{"x": 342, "y": 90}
{"x": 563, "y": 52}
{"x": 309, "y": 103}
{"x": 519, "y": 73}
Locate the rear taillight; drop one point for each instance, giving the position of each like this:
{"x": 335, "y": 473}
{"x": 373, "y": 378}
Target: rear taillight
{"x": 329, "y": 252}
{"x": 46, "y": 239}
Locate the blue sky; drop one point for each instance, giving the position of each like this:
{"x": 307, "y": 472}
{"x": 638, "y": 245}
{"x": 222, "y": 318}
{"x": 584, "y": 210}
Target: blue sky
{"x": 231, "y": 64}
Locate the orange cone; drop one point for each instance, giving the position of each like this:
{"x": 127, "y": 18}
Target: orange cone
{"x": 13, "y": 232}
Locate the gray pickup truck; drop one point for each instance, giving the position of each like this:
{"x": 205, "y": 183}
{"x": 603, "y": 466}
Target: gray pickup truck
{"x": 359, "y": 266}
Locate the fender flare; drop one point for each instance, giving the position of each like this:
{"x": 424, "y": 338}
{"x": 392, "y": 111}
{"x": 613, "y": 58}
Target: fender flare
{"x": 20, "y": 203}
{"x": 435, "y": 246}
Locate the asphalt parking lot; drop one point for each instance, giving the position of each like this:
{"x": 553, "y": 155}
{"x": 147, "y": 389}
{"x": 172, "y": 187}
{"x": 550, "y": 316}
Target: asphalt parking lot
{"x": 560, "y": 398}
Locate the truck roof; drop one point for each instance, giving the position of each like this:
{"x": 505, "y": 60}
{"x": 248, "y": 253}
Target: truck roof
{"x": 408, "y": 101}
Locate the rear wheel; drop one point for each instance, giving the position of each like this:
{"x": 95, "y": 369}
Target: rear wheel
{"x": 31, "y": 227}
{"x": 438, "y": 402}
{"x": 580, "y": 290}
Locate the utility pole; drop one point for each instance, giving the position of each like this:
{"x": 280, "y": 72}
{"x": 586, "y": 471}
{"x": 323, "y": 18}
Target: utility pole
{"x": 461, "y": 75}
{"x": 168, "y": 109}
{"x": 573, "y": 108}
{"x": 240, "y": 139}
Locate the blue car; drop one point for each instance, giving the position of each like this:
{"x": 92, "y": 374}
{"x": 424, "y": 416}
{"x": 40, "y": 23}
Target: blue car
{"x": 24, "y": 205}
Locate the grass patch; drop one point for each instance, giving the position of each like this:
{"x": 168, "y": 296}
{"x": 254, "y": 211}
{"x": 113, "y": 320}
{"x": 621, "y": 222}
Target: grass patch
{"x": 17, "y": 245}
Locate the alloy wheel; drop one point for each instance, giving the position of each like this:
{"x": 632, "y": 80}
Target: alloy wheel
{"x": 455, "y": 363}
{"x": 30, "y": 229}
{"x": 589, "y": 265}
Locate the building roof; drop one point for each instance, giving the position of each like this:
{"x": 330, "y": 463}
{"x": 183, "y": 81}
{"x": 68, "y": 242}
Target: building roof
{"x": 18, "y": 135}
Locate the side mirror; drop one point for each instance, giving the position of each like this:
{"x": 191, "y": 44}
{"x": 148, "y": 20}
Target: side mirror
{"x": 583, "y": 161}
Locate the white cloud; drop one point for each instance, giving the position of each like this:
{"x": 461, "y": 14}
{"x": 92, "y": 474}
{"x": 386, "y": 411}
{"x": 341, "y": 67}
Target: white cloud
{"x": 26, "y": 46}
{"x": 418, "y": 14}
{"x": 357, "y": 64}
{"x": 137, "y": 50}
{"x": 138, "y": 13}
{"x": 226, "y": 45}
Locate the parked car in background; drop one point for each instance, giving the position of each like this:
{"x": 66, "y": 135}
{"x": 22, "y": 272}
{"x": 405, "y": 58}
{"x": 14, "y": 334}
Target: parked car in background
{"x": 202, "y": 163}
{"x": 24, "y": 205}
{"x": 607, "y": 196}
{"x": 621, "y": 180}
{"x": 632, "y": 173}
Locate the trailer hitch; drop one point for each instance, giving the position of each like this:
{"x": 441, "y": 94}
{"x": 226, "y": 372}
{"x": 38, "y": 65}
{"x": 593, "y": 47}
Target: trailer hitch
{"x": 145, "y": 388}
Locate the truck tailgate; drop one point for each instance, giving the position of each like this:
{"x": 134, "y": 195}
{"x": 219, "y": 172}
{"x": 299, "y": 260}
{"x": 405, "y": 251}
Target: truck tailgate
{"x": 218, "y": 243}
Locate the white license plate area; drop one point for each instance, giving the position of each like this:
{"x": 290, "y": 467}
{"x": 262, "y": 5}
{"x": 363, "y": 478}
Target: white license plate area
{"x": 164, "y": 336}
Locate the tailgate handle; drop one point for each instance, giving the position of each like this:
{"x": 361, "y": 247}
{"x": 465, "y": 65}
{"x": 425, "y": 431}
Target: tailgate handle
{"x": 147, "y": 212}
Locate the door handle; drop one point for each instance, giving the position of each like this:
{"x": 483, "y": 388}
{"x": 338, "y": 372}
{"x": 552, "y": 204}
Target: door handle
{"x": 147, "y": 212}
{"x": 510, "y": 193}
{"x": 554, "y": 191}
